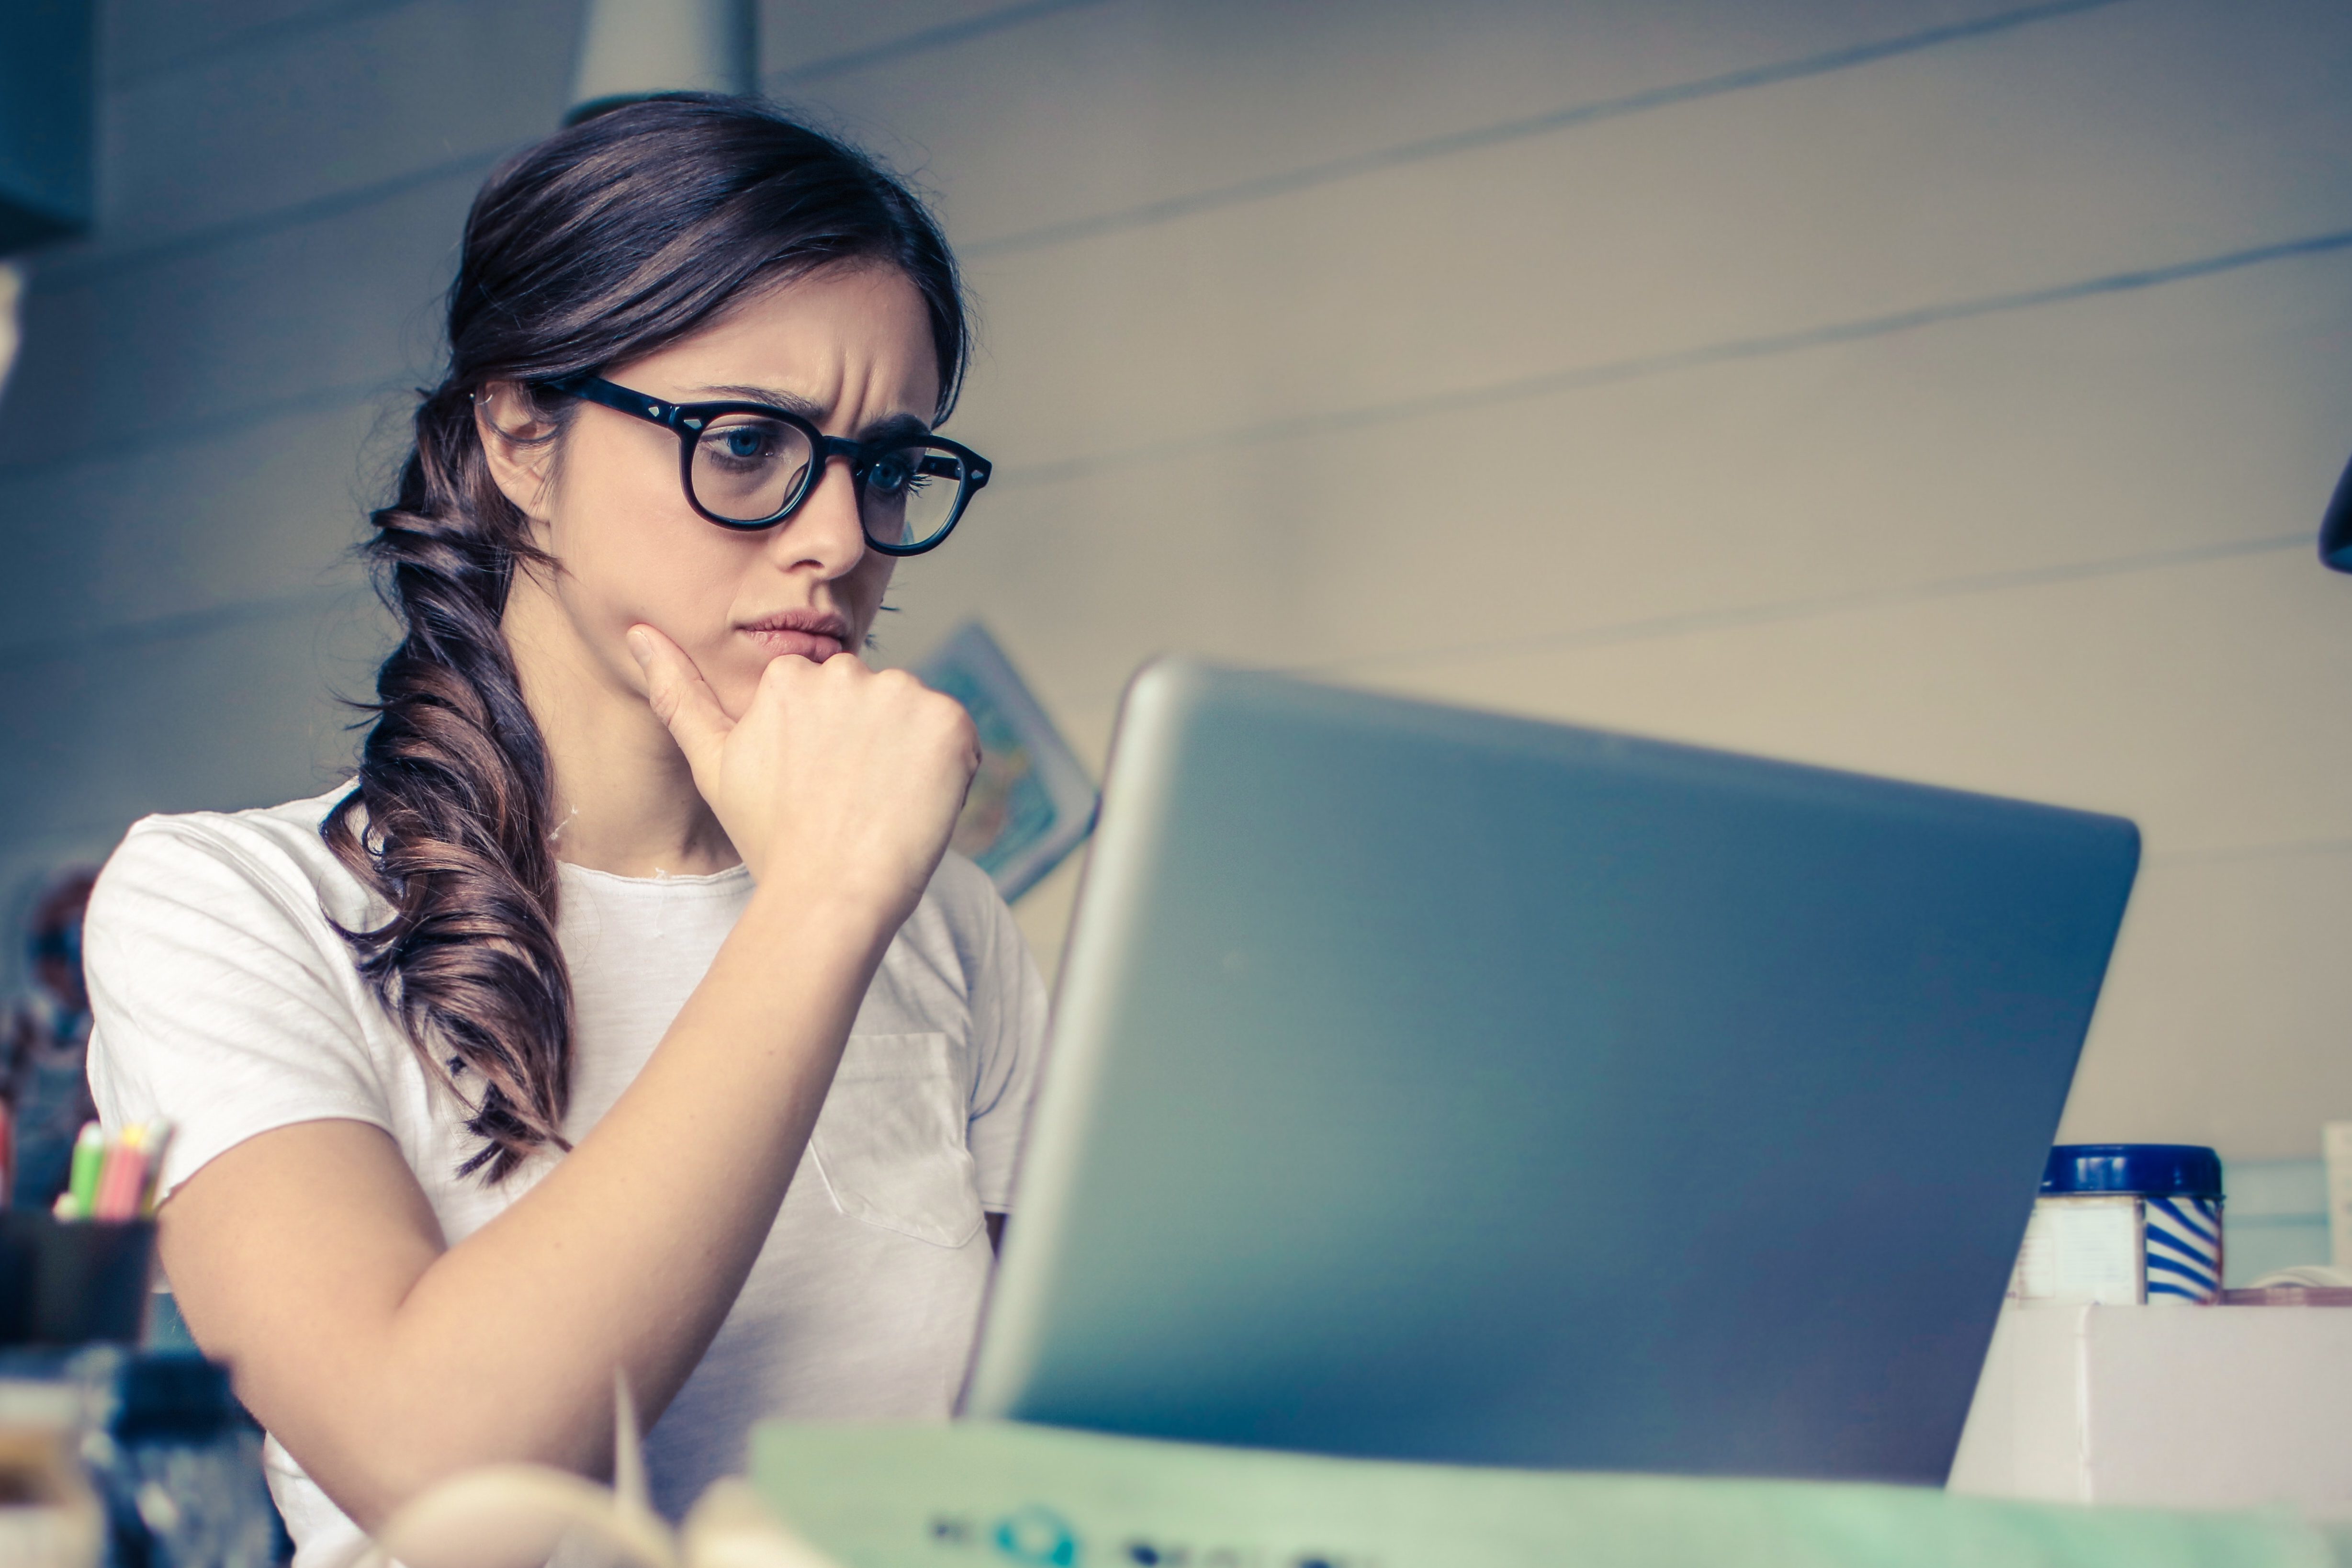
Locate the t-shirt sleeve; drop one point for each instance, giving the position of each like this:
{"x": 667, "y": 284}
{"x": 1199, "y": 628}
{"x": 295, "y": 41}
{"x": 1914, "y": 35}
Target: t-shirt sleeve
{"x": 214, "y": 1001}
{"x": 1008, "y": 1031}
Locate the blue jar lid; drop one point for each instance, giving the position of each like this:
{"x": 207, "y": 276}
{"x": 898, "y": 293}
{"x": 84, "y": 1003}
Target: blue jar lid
{"x": 2155, "y": 1170}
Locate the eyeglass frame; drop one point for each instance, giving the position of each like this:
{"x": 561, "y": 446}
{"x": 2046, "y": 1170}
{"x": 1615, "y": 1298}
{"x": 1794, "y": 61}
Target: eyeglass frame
{"x": 687, "y": 421}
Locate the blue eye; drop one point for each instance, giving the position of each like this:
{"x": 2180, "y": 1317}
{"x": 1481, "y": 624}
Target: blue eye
{"x": 746, "y": 444}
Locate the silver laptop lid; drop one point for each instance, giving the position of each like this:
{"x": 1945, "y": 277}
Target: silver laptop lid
{"x": 1432, "y": 1085}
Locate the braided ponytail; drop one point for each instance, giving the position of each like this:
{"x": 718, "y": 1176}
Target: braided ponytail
{"x": 603, "y": 243}
{"x": 449, "y": 820}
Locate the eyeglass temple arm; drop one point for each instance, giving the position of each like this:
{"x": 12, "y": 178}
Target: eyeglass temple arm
{"x": 595, "y": 389}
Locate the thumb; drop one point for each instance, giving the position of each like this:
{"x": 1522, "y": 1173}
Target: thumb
{"x": 680, "y": 698}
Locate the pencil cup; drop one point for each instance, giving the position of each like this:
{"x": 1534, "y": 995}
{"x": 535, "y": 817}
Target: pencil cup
{"x": 73, "y": 1282}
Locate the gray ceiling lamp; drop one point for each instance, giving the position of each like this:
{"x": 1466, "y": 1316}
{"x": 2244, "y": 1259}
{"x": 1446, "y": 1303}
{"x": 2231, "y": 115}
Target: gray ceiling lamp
{"x": 632, "y": 49}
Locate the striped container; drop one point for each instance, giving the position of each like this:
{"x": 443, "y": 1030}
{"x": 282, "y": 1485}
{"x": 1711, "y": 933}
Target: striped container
{"x": 2125, "y": 1222}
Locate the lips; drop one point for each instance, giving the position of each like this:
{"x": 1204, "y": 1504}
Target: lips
{"x": 814, "y": 635}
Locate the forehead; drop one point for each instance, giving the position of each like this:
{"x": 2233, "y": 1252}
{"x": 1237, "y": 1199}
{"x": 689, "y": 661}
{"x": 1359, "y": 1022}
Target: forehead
{"x": 857, "y": 335}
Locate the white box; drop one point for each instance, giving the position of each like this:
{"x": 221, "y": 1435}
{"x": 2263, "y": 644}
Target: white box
{"x": 2173, "y": 1406}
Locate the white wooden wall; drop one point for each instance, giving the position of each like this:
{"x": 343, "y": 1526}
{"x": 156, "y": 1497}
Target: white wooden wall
{"x": 1944, "y": 388}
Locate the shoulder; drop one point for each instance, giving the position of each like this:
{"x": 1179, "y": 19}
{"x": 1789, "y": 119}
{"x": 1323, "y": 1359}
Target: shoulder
{"x": 961, "y": 936}
{"x": 268, "y": 856}
{"x": 963, "y": 895}
{"x": 223, "y": 996}
{"x": 973, "y": 915}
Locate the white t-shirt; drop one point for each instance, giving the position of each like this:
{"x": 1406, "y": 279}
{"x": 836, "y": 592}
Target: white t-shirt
{"x": 225, "y": 1001}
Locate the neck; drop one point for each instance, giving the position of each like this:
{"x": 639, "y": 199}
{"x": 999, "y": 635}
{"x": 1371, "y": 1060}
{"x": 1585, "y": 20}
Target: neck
{"x": 624, "y": 799}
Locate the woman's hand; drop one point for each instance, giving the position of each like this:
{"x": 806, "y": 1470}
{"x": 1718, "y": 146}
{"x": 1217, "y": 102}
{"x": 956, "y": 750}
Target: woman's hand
{"x": 837, "y": 780}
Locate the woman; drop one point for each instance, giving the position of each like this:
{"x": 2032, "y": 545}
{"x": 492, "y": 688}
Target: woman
{"x": 503, "y": 1066}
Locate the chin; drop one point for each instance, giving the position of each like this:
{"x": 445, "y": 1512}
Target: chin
{"x": 733, "y": 679}
{"x": 735, "y": 698}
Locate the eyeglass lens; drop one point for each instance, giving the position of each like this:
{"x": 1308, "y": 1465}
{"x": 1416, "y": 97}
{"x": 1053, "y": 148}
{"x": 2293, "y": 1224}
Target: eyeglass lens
{"x": 747, "y": 468}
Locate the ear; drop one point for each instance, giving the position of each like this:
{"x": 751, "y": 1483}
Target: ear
{"x": 518, "y": 442}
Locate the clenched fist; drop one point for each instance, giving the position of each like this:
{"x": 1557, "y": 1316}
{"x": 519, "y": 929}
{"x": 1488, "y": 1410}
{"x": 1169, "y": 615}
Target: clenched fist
{"x": 842, "y": 781}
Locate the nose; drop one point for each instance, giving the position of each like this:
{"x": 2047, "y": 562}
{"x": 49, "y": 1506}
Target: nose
{"x": 825, "y": 531}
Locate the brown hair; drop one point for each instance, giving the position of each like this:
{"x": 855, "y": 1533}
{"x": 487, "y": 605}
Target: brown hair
{"x": 604, "y": 242}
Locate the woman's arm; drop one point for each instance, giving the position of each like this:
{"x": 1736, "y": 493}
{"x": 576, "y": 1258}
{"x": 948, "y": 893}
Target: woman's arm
{"x": 383, "y": 1358}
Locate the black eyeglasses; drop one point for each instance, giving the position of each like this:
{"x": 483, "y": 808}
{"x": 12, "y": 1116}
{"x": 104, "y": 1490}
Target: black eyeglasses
{"x": 750, "y": 465}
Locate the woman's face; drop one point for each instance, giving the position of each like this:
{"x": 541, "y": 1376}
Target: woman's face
{"x": 850, "y": 349}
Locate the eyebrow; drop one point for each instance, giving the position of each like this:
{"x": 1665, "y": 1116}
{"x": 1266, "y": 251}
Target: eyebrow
{"x": 895, "y": 428}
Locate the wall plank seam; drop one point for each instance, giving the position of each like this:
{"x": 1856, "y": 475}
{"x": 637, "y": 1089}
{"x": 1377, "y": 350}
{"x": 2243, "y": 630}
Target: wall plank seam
{"x": 1291, "y": 181}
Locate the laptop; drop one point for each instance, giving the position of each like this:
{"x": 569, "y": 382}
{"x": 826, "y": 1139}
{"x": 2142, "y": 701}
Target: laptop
{"x": 1430, "y": 1085}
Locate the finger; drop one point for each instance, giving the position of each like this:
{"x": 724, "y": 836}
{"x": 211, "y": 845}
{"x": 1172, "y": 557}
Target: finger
{"x": 680, "y": 698}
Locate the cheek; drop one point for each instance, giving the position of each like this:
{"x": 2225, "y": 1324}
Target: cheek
{"x": 862, "y": 591}
{"x": 630, "y": 550}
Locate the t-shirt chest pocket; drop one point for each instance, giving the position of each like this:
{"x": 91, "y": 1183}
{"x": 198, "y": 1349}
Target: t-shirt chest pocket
{"x": 890, "y": 1140}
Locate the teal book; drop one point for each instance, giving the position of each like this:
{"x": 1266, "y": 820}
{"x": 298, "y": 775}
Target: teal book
{"x": 1032, "y": 802}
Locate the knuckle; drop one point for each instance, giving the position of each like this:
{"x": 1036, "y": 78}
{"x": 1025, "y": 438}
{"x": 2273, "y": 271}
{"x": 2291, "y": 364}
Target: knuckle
{"x": 958, "y": 737}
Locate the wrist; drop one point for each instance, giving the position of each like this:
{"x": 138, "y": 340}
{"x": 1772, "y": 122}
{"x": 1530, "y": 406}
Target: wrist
{"x": 812, "y": 918}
